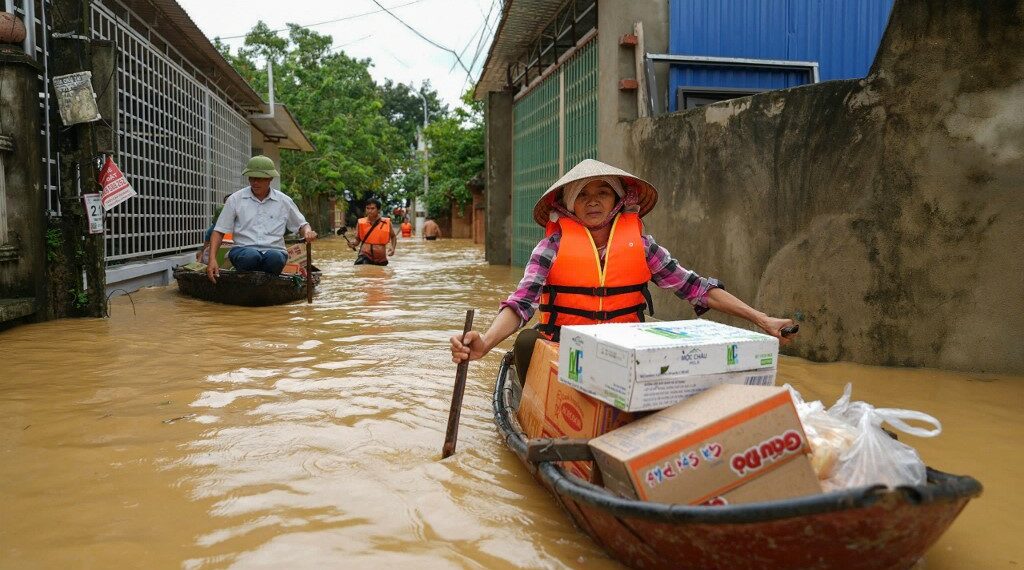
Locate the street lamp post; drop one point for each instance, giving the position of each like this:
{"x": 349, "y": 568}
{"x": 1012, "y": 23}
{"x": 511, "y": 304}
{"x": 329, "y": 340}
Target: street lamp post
{"x": 421, "y": 204}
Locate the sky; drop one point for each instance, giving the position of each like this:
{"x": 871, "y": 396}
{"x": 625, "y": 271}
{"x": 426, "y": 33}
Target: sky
{"x": 397, "y": 53}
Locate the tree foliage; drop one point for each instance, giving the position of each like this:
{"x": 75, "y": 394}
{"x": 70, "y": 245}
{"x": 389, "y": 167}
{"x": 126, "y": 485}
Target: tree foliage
{"x": 403, "y": 106}
{"x": 365, "y": 134}
{"x": 456, "y": 155}
{"x": 338, "y": 105}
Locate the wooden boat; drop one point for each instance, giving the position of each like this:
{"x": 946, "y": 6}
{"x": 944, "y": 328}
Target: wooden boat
{"x": 863, "y": 528}
{"x": 246, "y": 288}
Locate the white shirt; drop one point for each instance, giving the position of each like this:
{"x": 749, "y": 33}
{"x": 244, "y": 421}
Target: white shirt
{"x": 259, "y": 224}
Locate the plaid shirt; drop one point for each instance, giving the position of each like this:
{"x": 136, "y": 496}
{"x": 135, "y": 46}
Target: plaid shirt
{"x": 665, "y": 273}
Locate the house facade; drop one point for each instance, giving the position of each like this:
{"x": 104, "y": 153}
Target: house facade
{"x": 176, "y": 118}
{"x": 561, "y": 78}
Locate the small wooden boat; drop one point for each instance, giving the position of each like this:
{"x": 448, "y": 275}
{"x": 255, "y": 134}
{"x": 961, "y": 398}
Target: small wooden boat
{"x": 246, "y": 288}
{"x": 863, "y": 528}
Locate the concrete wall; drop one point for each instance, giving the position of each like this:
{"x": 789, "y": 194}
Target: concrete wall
{"x": 130, "y": 277}
{"x": 615, "y": 108}
{"x": 479, "y": 216}
{"x": 886, "y": 214}
{"x": 265, "y": 147}
{"x": 22, "y": 253}
{"x": 498, "y": 177}
{"x": 461, "y": 222}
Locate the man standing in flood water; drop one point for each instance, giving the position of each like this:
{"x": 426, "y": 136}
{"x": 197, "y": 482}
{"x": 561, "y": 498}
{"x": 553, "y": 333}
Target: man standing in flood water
{"x": 258, "y": 216}
{"x": 431, "y": 231}
{"x": 376, "y": 238}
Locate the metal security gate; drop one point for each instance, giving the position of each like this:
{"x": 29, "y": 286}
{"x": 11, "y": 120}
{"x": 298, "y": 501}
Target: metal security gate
{"x": 580, "y": 76}
{"x": 535, "y": 120}
{"x": 179, "y": 143}
{"x": 554, "y": 127}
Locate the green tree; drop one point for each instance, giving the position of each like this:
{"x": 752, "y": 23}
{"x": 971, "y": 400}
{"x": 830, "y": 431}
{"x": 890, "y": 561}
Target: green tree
{"x": 404, "y": 108}
{"x": 338, "y": 105}
{"x": 456, "y": 155}
{"x": 364, "y": 133}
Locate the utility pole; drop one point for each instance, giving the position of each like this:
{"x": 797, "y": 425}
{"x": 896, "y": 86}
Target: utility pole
{"x": 421, "y": 214}
{"x": 77, "y": 274}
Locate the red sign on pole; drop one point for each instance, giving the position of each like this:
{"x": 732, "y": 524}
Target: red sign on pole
{"x": 116, "y": 188}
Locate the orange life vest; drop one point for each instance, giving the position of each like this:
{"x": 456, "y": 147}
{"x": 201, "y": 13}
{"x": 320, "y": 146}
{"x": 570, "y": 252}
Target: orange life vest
{"x": 381, "y": 234}
{"x": 406, "y": 229}
{"x": 372, "y": 242}
{"x": 579, "y": 291}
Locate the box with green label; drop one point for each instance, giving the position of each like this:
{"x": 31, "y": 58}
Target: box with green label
{"x": 650, "y": 366}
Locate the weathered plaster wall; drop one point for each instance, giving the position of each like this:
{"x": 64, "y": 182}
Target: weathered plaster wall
{"x": 22, "y": 254}
{"x": 616, "y": 108}
{"x": 887, "y": 213}
{"x": 498, "y": 159}
{"x": 265, "y": 147}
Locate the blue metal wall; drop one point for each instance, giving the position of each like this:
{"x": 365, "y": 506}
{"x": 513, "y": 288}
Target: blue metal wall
{"x": 841, "y": 35}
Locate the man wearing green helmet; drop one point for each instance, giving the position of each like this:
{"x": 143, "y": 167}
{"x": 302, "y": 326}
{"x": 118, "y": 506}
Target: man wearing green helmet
{"x": 258, "y": 216}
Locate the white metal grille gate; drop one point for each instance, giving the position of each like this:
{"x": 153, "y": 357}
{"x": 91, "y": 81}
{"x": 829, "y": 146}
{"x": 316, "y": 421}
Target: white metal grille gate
{"x": 180, "y": 144}
{"x": 36, "y": 43}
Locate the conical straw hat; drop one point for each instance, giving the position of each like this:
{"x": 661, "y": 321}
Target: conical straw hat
{"x": 647, "y": 195}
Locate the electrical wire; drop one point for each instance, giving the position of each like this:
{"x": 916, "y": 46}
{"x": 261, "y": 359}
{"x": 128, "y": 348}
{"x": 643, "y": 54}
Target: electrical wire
{"x": 462, "y": 52}
{"x": 424, "y": 38}
{"x": 339, "y": 46}
{"x": 342, "y": 19}
{"x": 127, "y": 294}
{"x": 395, "y": 57}
{"x": 480, "y": 45}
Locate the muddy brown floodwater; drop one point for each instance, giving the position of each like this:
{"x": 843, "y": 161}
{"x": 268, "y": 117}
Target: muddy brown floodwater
{"x": 181, "y": 434}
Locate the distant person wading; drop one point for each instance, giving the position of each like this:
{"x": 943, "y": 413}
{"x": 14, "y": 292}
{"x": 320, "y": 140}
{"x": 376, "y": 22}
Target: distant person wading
{"x": 431, "y": 231}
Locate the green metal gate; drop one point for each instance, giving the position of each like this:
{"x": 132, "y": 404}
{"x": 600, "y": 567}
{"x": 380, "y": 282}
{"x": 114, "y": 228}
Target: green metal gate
{"x": 581, "y": 106}
{"x": 554, "y": 127}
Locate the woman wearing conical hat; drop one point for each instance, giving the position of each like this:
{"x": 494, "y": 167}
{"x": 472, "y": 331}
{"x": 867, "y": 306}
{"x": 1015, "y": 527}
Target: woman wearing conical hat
{"x": 594, "y": 265}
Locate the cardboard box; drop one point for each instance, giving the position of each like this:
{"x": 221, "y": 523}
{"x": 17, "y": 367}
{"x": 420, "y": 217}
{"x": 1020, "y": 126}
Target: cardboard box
{"x": 297, "y": 253}
{"x": 795, "y": 478}
{"x": 549, "y": 408}
{"x": 650, "y": 366}
{"x": 709, "y": 446}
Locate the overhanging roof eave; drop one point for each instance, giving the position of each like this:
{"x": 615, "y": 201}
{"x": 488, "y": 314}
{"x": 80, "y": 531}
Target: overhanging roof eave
{"x": 521, "y": 21}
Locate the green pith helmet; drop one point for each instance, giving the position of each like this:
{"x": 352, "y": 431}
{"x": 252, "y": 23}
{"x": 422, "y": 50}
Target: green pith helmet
{"x": 260, "y": 166}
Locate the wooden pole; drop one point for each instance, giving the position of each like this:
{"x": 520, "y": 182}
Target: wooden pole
{"x": 309, "y": 272}
{"x": 452, "y": 434}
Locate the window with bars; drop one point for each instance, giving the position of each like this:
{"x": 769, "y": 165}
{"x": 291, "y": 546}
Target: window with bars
{"x": 179, "y": 143}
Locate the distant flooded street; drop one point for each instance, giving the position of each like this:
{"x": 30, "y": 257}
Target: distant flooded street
{"x": 182, "y": 434}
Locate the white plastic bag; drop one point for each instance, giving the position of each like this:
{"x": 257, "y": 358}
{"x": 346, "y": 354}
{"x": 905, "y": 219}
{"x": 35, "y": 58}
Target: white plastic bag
{"x": 828, "y": 437}
{"x": 875, "y": 458}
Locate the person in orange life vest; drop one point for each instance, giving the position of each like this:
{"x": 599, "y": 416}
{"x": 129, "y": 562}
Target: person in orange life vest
{"x": 376, "y": 238}
{"x": 406, "y": 228}
{"x": 593, "y": 267}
